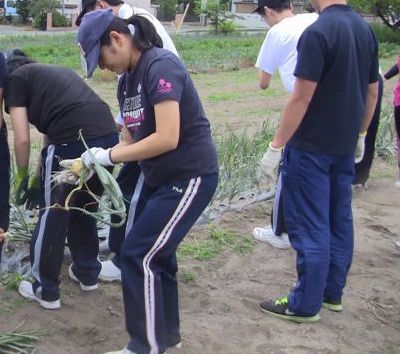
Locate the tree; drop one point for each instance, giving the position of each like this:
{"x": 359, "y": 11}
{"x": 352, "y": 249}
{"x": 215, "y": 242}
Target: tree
{"x": 218, "y": 14}
{"x": 167, "y": 8}
{"x": 387, "y": 10}
{"x": 23, "y": 9}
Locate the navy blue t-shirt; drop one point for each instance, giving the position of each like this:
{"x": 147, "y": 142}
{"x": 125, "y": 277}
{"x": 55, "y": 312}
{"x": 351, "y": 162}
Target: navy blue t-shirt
{"x": 340, "y": 52}
{"x": 160, "y": 76}
{"x": 3, "y": 71}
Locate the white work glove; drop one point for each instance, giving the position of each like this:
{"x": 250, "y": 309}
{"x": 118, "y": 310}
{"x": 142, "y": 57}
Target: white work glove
{"x": 360, "y": 148}
{"x": 101, "y": 155}
{"x": 270, "y": 162}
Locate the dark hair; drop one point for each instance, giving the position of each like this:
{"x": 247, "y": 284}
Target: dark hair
{"x": 15, "y": 59}
{"x": 114, "y": 2}
{"x": 144, "y": 38}
{"x": 282, "y": 7}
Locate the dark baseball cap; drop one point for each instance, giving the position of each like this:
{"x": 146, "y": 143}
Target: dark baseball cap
{"x": 94, "y": 25}
{"x": 86, "y": 4}
{"x": 271, "y": 4}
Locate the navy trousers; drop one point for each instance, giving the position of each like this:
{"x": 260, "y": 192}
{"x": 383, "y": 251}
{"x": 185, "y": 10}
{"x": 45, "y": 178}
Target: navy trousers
{"x": 4, "y": 181}
{"x": 55, "y": 223}
{"x": 127, "y": 180}
{"x": 277, "y": 214}
{"x": 318, "y": 217}
{"x": 363, "y": 168}
{"x": 157, "y": 223}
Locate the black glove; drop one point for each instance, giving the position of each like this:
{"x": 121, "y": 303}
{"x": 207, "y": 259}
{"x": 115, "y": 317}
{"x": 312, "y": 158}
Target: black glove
{"x": 34, "y": 193}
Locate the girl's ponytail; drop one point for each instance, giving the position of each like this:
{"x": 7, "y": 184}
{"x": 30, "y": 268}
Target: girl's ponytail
{"x": 145, "y": 35}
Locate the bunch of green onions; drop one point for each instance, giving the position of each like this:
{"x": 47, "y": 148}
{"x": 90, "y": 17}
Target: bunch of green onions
{"x": 18, "y": 343}
{"x": 114, "y": 201}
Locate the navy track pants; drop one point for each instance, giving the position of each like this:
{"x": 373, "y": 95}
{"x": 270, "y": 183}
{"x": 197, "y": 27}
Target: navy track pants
{"x": 55, "y": 224}
{"x": 127, "y": 180}
{"x": 4, "y": 181}
{"x": 157, "y": 223}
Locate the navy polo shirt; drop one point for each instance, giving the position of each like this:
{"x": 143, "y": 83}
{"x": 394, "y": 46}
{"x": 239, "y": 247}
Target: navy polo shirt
{"x": 340, "y": 52}
{"x": 160, "y": 76}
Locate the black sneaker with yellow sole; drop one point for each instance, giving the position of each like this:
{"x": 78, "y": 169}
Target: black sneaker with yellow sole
{"x": 335, "y": 306}
{"x": 280, "y": 308}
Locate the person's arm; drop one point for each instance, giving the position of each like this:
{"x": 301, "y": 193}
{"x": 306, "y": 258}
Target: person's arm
{"x": 294, "y": 111}
{"x": 1, "y": 106}
{"x": 164, "y": 139}
{"x": 264, "y": 79}
{"x": 370, "y": 105}
{"x": 20, "y": 125}
{"x": 393, "y": 71}
{"x": 269, "y": 59}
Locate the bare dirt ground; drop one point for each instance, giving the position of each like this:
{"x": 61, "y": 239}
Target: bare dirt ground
{"x": 220, "y": 302}
{"x": 219, "y": 297}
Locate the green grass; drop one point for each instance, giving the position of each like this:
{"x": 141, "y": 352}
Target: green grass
{"x": 213, "y": 243}
{"x": 187, "y": 277}
{"x": 11, "y": 303}
{"x": 12, "y": 281}
{"x": 201, "y": 54}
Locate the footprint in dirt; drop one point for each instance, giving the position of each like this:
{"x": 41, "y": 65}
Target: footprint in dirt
{"x": 382, "y": 230}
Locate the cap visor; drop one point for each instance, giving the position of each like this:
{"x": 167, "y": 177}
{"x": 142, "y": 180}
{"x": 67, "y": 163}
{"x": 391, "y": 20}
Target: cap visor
{"x": 92, "y": 59}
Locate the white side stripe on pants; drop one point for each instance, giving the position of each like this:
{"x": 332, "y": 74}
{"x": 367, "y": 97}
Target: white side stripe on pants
{"x": 162, "y": 239}
{"x": 47, "y": 199}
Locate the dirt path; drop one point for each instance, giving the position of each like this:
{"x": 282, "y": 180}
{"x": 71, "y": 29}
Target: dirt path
{"x": 220, "y": 297}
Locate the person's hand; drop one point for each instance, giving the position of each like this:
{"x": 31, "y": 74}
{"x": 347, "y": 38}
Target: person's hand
{"x": 102, "y": 156}
{"x": 21, "y": 185}
{"x": 2, "y": 235}
{"x": 33, "y": 194}
{"x": 270, "y": 162}
{"x": 360, "y": 148}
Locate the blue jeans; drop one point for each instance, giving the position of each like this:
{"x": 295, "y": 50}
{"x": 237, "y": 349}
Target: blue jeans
{"x": 318, "y": 216}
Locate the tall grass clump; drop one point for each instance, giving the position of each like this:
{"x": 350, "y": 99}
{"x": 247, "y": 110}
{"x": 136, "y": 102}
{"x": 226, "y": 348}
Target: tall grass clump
{"x": 239, "y": 155}
{"x": 386, "y": 136}
{"x": 386, "y": 34}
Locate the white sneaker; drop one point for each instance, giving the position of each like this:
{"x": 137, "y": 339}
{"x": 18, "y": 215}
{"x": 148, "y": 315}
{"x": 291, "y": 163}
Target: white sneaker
{"x": 26, "y": 290}
{"x": 109, "y": 272}
{"x": 266, "y": 234}
{"x": 397, "y": 184}
{"x": 82, "y": 286}
{"x": 125, "y": 350}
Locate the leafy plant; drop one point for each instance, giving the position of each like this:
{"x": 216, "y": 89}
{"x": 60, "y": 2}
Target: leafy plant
{"x": 167, "y": 9}
{"x": 23, "y": 9}
{"x": 60, "y": 20}
{"x": 218, "y": 14}
{"x": 387, "y": 10}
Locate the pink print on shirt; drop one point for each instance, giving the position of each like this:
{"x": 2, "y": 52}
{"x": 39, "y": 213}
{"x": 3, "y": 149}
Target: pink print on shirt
{"x": 164, "y": 86}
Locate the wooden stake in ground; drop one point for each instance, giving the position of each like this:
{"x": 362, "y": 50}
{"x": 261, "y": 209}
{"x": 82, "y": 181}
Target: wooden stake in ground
{"x": 183, "y": 18}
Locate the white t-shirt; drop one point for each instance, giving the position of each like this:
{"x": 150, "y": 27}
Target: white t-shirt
{"x": 279, "y": 49}
{"x": 126, "y": 11}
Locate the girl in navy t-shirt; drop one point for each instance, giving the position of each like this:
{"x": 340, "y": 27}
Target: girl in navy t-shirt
{"x": 166, "y": 130}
